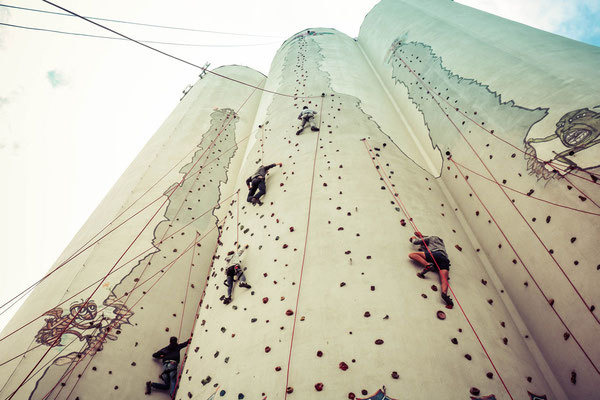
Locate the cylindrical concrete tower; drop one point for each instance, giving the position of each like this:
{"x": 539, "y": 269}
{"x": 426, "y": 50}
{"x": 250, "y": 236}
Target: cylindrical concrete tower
{"x": 437, "y": 118}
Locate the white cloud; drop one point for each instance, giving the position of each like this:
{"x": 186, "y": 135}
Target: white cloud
{"x": 56, "y": 78}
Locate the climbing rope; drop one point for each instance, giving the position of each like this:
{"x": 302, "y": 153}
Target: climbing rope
{"x": 523, "y": 193}
{"x": 507, "y": 196}
{"x": 145, "y": 293}
{"x": 312, "y": 185}
{"x": 548, "y": 300}
{"x": 88, "y": 245}
{"x": 490, "y": 131}
{"x": 399, "y": 202}
{"x": 187, "y": 286}
{"x": 122, "y": 266}
{"x": 523, "y": 218}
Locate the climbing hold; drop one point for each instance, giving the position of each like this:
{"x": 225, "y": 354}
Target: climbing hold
{"x": 277, "y": 368}
{"x": 489, "y": 375}
{"x": 441, "y": 315}
{"x": 289, "y": 390}
{"x": 291, "y": 229}
{"x": 364, "y": 392}
{"x": 454, "y": 340}
{"x": 395, "y": 375}
{"x": 342, "y": 284}
{"x": 529, "y": 379}
{"x": 551, "y": 302}
{"x": 566, "y": 335}
{"x": 265, "y": 300}
{"x": 367, "y": 314}
{"x": 573, "y": 377}
{"x": 289, "y": 312}
{"x": 267, "y": 349}
{"x": 402, "y": 222}
{"x": 240, "y": 396}
{"x": 319, "y": 386}
{"x": 468, "y": 357}
{"x": 505, "y": 340}
{"x": 343, "y": 366}
{"x": 458, "y": 247}
{"x": 379, "y": 341}
{"x": 319, "y": 353}
{"x": 351, "y": 396}
{"x": 434, "y": 288}
{"x": 474, "y": 391}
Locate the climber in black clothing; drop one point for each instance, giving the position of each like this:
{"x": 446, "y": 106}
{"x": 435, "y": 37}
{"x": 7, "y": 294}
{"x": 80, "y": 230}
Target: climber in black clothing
{"x": 170, "y": 359}
{"x": 257, "y": 182}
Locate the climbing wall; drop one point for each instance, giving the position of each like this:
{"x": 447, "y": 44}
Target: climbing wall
{"x": 517, "y": 127}
{"x": 335, "y": 309}
{"x": 437, "y": 118}
{"x": 135, "y": 273}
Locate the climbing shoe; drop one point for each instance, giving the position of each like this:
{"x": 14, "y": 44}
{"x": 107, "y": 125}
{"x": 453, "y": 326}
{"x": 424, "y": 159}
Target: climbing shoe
{"x": 425, "y": 270}
{"x": 227, "y": 300}
{"x": 244, "y": 284}
{"x": 314, "y": 129}
{"x": 148, "y": 387}
{"x": 299, "y": 131}
{"x": 447, "y": 300}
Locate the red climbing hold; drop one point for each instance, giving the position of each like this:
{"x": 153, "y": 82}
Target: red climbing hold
{"x": 351, "y": 396}
{"x": 289, "y": 312}
{"x": 265, "y": 300}
{"x": 441, "y": 315}
{"x": 289, "y": 390}
{"x": 278, "y": 369}
{"x": 402, "y": 222}
{"x": 395, "y": 375}
{"x": 291, "y": 229}
{"x": 319, "y": 353}
{"x": 458, "y": 247}
{"x": 367, "y": 314}
{"x": 379, "y": 341}
{"x": 267, "y": 349}
{"x": 343, "y": 366}
{"x": 319, "y": 386}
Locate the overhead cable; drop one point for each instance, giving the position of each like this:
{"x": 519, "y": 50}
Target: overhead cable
{"x": 143, "y": 41}
{"x": 138, "y": 23}
{"x": 178, "y": 58}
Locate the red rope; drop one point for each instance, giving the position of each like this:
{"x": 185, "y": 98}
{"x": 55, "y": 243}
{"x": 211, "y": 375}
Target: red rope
{"x": 505, "y": 194}
{"x": 90, "y": 296}
{"x": 520, "y": 214}
{"x": 134, "y": 258}
{"x": 237, "y": 238}
{"x": 165, "y": 269}
{"x": 525, "y": 194}
{"x": 413, "y": 224}
{"x": 526, "y": 269}
{"x": 85, "y": 246}
{"x": 312, "y": 184}
{"x": 430, "y": 90}
{"x": 187, "y": 286}
{"x": 197, "y": 315}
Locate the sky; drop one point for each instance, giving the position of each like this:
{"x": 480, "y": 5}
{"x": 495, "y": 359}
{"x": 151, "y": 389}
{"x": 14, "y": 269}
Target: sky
{"x": 75, "y": 111}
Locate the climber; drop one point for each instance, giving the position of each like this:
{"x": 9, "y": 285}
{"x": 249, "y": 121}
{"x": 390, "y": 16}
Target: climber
{"x": 433, "y": 257}
{"x": 307, "y": 116}
{"x": 234, "y": 270}
{"x": 170, "y": 359}
{"x": 257, "y": 182}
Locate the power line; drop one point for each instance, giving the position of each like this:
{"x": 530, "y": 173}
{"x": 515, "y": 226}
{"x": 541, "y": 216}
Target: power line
{"x": 137, "y": 23}
{"x": 32, "y": 28}
{"x": 164, "y": 53}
